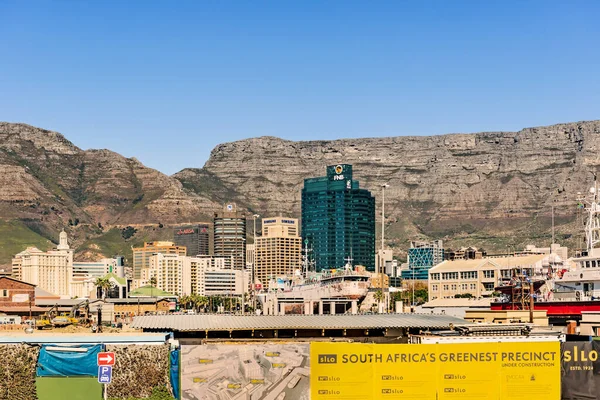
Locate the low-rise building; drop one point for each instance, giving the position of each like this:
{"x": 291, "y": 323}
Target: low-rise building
{"x": 479, "y": 277}
{"x": 125, "y": 309}
{"x": 17, "y": 297}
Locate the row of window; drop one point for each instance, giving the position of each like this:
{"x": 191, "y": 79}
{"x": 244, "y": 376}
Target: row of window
{"x": 448, "y": 276}
{"x": 487, "y": 286}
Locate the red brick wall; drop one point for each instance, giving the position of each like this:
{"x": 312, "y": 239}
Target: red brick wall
{"x": 15, "y": 287}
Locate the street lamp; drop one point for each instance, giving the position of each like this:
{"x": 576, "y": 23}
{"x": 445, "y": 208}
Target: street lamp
{"x": 252, "y": 276}
{"x": 383, "y": 187}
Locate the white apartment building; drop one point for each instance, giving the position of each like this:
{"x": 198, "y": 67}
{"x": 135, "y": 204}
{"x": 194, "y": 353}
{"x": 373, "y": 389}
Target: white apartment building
{"x": 203, "y": 275}
{"x": 479, "y": 277}
{"x": 49, "y": 270}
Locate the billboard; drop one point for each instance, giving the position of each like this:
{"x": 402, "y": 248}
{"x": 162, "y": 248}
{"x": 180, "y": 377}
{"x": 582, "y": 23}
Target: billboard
{"x": 264, "y": 371}
{"x": 580, "y": 373}
{"x": 499, "y": 371}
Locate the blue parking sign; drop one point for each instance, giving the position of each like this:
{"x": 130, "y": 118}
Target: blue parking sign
{"x": 104, "y": 374}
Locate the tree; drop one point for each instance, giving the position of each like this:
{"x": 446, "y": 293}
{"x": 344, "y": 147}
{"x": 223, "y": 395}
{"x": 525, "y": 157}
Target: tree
{"x": 184, "y": 301}
{"x": 199, "y": 302}
{"x": 379, "y": 296}
{"x": 128, "y": 232}
{"x": 104, "y": 284}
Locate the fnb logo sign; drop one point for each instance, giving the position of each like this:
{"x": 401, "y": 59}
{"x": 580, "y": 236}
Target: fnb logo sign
{"x": 327, "y": 359}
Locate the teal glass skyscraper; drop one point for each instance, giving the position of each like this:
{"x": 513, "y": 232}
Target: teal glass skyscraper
{"x": 338, "y": 220}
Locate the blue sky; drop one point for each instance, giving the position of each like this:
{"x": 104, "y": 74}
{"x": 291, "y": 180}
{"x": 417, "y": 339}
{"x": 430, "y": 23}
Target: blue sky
{"x": 165, "y": 82}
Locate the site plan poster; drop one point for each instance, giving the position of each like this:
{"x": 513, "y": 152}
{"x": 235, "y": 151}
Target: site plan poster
{"x": 245, "y": 371}
{"x": 482, "y": 371}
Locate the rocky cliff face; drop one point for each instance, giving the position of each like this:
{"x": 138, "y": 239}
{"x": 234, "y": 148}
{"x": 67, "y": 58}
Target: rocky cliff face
{"x": 496, "y": 185}
{"x": 486, "y": 189}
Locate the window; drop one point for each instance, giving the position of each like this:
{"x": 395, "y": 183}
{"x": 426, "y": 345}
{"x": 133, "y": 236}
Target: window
{"x": 464, "y": 286}
{"x": 445, "y": 287}
{"x": 488, "y": 273}
{"x": 454, "y": 287}
{"x": 488, "y": 286}
{"x": 434, "y": 288}
{"x": 473, "y": 286}
{"x": 435, "y": 277}
{"x": 468, "y": 275}
{"x": 3, "y": 292}
{"x": 446, "y": 276}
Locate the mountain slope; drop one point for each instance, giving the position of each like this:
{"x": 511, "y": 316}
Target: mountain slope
{"x": 482, "y": 187}
{"x": 49, "y": 184}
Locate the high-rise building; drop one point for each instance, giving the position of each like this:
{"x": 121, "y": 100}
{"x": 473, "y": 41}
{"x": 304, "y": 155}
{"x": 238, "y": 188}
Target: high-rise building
{"x": 141, "y": 255}
{"x": 230, "y": 235}
{"x": 278, "y": 251}
{"x": 195, "y": 238}
{"x": 49, "y": 270}
{"x": 338, "y": 219}
{"x": 422, "y": 256}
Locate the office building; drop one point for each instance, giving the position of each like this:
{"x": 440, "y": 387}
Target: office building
{"x": 230, "y": 235}
{"x": 141, "y": 255}
{"x": 278, "y": 252}
{"x": 479, "y": 277}
{"x": 195, "y": 238}
{"x": 49, "y": 270}
{"x": 338, "y": 219}
{"x": 422, "y": 256}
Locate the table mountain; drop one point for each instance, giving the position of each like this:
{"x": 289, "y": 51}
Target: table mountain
{"x": 491, "y": 189}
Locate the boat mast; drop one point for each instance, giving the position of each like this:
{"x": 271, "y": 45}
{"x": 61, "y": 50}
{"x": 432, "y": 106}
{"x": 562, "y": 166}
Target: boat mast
{"x": 592, "y": 226}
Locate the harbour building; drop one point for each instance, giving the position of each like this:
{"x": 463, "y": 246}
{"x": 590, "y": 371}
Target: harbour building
{"x": 422, "y": 256}
{"x": 195, "y": 238}
{"x": 338, "y": 220}
{"x": 230, "y": 235}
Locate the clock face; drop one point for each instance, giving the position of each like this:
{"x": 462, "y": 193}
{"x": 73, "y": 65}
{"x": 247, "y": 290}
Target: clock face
{"x": 339, "y": 169}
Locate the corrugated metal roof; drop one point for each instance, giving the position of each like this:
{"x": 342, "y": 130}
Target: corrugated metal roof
{"x": 212, "y": 322}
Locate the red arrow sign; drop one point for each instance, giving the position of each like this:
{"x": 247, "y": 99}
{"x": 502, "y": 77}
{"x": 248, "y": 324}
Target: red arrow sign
{"x": 106, "y": 358}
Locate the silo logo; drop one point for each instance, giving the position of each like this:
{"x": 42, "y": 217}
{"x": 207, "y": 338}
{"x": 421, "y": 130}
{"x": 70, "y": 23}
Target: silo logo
{"x": 339, "y": 169}
{"x": 327, "y": 359}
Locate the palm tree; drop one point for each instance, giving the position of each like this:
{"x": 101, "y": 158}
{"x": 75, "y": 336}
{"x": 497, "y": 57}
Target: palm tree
{"x": 104, "y": 284}
{"x": 184, "y": 301}
{"x": 200, "y": 302}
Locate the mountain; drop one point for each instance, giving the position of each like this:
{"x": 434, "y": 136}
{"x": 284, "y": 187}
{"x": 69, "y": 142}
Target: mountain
{"x": 493, "y": 189}
{"x": 47, "y": 184}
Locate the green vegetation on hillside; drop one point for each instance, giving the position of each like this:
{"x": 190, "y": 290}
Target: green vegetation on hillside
{"x": 112, "y": 242}
{"x": 15, "y": 237}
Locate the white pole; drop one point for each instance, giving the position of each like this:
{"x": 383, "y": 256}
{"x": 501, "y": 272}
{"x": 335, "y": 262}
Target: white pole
{"x": 382, "y": 215}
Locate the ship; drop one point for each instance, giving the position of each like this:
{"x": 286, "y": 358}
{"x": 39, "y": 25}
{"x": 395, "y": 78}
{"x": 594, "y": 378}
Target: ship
{"x": 568, "y": 293}
{"x": 307, "y": 290}
{"x": 348, "y": 283}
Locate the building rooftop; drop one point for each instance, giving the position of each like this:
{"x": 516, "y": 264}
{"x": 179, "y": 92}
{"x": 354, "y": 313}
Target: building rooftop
{"x": 149, "y": 291}
{"x": 52, "y": 337}
{"x": 501, "y": 262}
{"x": 213, "y": 322}
{"x": 461, "y": 302}
{"x": 120, "y": 281}
{"x": 140, "y": 300}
